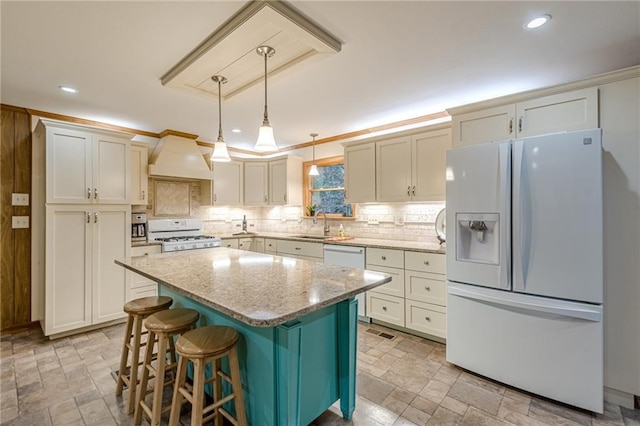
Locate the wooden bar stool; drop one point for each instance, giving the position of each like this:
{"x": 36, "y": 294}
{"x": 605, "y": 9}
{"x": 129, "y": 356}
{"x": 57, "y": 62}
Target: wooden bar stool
{"x": 138, "y": 310}
{"x": 162, "y": 327}
{"x": 202, "y": 346}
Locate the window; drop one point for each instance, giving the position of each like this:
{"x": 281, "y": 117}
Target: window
{"x": 326, "y": 191}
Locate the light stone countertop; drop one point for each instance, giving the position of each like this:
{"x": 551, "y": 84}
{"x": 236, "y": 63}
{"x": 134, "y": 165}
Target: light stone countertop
{"x": 429, "y": 247}
{"x": 258, "y": 289}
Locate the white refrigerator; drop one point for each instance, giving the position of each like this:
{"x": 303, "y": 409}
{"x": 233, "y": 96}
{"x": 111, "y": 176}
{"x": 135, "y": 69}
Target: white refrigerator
{"x": 525, "y": 264}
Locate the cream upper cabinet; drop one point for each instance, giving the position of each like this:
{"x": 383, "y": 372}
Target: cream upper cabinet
{"x": 575, "y": 110}
{"x": 85, "y": 165}
{"x": 285, "y": 181}
{"x": 360, "y": 173}
{"x": 83, "y": 284}
{"x": 139, "y": 175}
{"x": 428, "y": 165}
{"x": 256, "y": 183}
{"x": 226, "y": 189}
{"x": 412, "y": 168}
{"x": 393, "y": 169}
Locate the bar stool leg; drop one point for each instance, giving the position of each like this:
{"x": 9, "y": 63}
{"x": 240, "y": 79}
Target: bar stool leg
{"x": 124, "y": 356}
{"x": 156, "y": 411}
{"x": 142, "y": 389}
{"x": 218, "y": 389}
{"x": 198, "y": 391}
{"x": 178, "y": 397}
{"x": 236, "y": 381}
{"x": 135, "y": 360}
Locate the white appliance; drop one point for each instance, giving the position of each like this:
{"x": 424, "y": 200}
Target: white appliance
{"x": 525, "y": 264}
{"x": 352, "y": 257}
{"x": 180, "y": 234}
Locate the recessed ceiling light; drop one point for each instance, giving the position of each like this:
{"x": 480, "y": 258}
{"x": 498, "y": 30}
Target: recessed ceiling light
{"x": 67, "y": 89}
{"x": 236, "y": 130}
{"x": 538, "y": 21}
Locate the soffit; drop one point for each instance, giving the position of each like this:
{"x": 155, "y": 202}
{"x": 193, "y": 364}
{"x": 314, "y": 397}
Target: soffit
{"x": 230, "y": 50}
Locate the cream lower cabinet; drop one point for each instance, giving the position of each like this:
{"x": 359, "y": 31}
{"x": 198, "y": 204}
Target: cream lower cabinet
{"x": 569, "y": 111}
{"x": 386, "y": 302}
{"x": 83, "y": 286}
{"x": 425, "y": 293}
{"x": 139, "y": 175}
{"x": 230, "y": 243}
{"x": 139, "y": 285}
{"x": 258, "y": 245}
{"x": 270, "y": 246}
{"x": 245, "y": 243}
{"x": 303, "y": 250}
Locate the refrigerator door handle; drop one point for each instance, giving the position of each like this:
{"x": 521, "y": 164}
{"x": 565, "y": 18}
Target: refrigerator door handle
{"x": 505, "y": 214}
{"x": 532, "y": 304}
{"x": 521, "y": 225}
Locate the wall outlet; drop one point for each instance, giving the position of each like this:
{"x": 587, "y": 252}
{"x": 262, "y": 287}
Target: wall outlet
{"x": 19, "y": 199}
{"x": 373, "y": 221}
{"x": 18, "y": 222}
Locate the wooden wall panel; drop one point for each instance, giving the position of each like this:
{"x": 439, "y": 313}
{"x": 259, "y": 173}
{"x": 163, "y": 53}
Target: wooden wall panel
{"x": 15, "y": 244}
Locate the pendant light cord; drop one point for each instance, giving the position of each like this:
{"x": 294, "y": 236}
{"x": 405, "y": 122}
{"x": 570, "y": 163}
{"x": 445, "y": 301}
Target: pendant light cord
{"x": 220, "y": 137}
{"x": 265, "y": 122}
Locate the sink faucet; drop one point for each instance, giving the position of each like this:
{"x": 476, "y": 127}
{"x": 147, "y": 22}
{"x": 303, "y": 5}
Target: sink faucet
{"x": 326, "y": 225}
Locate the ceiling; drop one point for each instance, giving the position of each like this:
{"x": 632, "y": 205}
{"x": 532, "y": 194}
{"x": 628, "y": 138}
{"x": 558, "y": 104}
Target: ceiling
{"x": 399, "y": 60}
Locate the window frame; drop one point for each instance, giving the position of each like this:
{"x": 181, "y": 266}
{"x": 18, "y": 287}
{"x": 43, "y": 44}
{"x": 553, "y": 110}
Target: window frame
{"x": 306, "y": 184}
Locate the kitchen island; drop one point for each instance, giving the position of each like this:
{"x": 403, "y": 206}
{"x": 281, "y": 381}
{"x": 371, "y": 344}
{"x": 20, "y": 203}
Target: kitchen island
{"x": 297, "y": 320}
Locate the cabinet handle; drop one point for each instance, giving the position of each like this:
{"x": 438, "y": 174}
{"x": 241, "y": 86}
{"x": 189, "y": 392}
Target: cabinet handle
{"x": 88, "y": 217}
{"x": 215, "y": 197}
{"x": 511, "y": 125}
{"x": 413, "y": 190}
{"x": 89, "y": 193}
{"x": 426, "y": 262}
{"x": 285, "y": 198}
{"x": 143, "y": 194}
{"x": 520, "y": 124}
{"x": 265, "y": 199}
{"x": 95, "y": 217}
{"x": 298, "y": 248}
{"x": 427, "y": 288}
{"x": 384, "y": 257}
{"x": 384, "y": 308}
{"x": 408, "y": 190}
{"x": 95, "y": 193}
{"x": 428, "y": 319}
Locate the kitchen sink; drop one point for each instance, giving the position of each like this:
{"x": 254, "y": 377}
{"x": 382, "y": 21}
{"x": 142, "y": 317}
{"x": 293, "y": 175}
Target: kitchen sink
{"x": 309, "y": 237}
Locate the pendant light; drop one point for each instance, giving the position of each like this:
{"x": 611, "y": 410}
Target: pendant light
{"x": 266, "y": 141}
{"x": 220, "y": 153}
{"x": 313, "y": 170}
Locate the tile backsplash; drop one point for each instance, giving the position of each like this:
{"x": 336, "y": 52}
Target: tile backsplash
{"x": 397, "y": 221}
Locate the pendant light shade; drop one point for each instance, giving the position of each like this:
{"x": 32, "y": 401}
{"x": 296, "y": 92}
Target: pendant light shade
{"x": 266, "y": 141}
{"x": 313, "y": 170}
{"x": 220, "y": 152}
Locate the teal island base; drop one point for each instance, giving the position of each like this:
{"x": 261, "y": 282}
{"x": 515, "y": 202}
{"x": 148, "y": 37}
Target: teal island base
{"x": 292, "y": 373}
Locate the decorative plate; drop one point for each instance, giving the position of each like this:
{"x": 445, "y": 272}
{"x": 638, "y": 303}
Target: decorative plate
{"x": 441, "y": 227}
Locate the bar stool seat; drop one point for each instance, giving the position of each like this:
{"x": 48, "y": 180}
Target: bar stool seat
{"x": 162, "y": 327}
{"x": 202, "y": 346}
{"x": 137, "y": 310}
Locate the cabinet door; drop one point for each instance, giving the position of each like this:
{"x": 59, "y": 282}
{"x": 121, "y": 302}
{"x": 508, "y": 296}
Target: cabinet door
{"x": 110, "y": 241}
{"x": 360, "y": 173}
{"x": 278, "y": 182}
{"x": 244, "y": 243}
{"x": 230, "y": 243}
{"x": 393, "y": 170}
{"x": 111, "y": 170}
{"x": 68, "y": 166}
{"x": 577, "y": 110}
{"x": 256, "y": 184}
{"x": 489, "y": 125}
{"x": 428, "y": 165}
{"x": 258, "y": 245}
{"x": 139, "y": 175}
{"x": 227, "y": 183}
{"x": 68, "y": 268}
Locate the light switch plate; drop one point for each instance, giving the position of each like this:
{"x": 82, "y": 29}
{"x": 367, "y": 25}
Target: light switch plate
{"x": 373, "y": 221}
{"x": 18, "y": 222}
{"x": 18, "y": 199}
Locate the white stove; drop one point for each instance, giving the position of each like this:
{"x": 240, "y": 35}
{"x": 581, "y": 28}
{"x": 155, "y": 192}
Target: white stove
{"x": 180, "y": 234}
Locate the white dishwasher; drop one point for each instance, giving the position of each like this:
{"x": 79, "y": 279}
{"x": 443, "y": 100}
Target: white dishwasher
{"x": 352, "y": 257}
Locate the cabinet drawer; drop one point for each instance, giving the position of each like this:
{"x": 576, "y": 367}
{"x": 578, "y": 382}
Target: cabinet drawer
{"x": 426, "y": 318}
{"x": 385, "y": 308}
{"x": 393, "y": 288}
{"x": 230, "y": 243}
{"x": 270, "y": 245}
{"x": 425, "y": 287}
{"x": 385, "y": 257}
{"x": 145, "y": 250}
{"x": 425, "y": 262}
{"x": 300, "y": 257}
{"x": 300, "y": 248}
{"x": 146, "y": 291}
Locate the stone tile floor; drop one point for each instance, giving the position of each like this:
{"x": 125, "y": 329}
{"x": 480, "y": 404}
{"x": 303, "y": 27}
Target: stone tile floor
{"x": 402, "y": 380}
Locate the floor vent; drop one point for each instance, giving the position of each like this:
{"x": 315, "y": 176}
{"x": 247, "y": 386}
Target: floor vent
{"x": 381, "y": 334}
